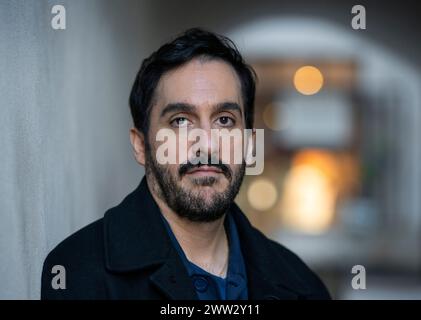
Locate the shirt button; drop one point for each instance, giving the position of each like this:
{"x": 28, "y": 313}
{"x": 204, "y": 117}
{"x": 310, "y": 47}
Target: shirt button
{"x": 200, "y": 283}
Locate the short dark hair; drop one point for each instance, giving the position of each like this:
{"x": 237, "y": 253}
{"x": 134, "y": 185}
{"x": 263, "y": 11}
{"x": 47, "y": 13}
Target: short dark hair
{"x": 192, "y": 43}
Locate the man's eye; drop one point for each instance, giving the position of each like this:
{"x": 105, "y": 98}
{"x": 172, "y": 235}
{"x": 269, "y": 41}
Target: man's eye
{"x": 225, "y": 121}
{"x": 180, "y": 122}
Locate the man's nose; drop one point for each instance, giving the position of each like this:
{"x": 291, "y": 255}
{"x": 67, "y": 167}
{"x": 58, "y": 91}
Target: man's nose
{"x": 208, "y": 145}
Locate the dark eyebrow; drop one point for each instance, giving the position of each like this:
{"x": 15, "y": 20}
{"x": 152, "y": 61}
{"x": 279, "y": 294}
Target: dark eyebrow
{"x": 189, "y": 108}
{"x": 225, "y": 106}
{"x": 177, "y": 107}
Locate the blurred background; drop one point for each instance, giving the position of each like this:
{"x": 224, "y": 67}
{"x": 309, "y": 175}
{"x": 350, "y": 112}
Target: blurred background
{"x": 341, "y": 109}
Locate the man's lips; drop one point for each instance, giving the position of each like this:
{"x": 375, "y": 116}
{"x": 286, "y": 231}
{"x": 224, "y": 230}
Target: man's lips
{"x": 205, "y": 170}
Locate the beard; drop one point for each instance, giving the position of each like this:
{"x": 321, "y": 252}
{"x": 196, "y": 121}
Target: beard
{"x": 194, "y": 204}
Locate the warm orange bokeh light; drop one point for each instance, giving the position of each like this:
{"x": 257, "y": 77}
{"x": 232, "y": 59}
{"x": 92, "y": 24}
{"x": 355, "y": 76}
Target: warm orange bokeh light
{"x": 311, "y": 191}
{"x": 308, "y": 80}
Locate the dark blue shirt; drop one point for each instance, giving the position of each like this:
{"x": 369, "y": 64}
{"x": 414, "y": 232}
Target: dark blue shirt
{"x": 212, "y": 287}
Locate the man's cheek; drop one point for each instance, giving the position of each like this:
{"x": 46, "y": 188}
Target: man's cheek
{"x": 173, "y": 170}
{"x": 172, "y": 146}
{"x": 166, "y": 146}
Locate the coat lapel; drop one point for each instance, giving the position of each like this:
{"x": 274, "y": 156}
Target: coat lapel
{"x": 135, "y": 240}
{"x": 172, "y": 280}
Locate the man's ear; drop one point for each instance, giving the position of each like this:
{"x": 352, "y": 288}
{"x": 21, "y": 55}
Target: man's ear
{"x": 137, "y": 140}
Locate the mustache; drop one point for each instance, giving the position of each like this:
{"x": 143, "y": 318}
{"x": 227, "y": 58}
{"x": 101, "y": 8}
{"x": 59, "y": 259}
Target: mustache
{"x": 198, "y": 162}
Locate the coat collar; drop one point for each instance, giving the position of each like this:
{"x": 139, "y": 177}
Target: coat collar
{"x": 135, "y": 238}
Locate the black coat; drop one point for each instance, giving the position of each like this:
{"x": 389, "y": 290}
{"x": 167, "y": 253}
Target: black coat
{"x": 128, "y": 254}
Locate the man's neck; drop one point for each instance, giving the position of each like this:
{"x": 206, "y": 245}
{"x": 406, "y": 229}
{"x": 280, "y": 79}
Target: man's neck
{"x": 204, "y": 243}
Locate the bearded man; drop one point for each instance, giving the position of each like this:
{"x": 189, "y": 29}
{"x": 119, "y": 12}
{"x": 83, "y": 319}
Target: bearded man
{"x": 180, "y": 235}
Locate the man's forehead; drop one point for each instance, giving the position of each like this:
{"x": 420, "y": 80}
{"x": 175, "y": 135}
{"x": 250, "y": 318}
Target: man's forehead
{"x": 199, "y": 83}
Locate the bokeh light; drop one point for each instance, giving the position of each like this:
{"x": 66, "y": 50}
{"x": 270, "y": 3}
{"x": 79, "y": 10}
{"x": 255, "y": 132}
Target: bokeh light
{"x": 308, "y": 80}
{"x": 262, "y": 194}
{"x": 310, "y": 192}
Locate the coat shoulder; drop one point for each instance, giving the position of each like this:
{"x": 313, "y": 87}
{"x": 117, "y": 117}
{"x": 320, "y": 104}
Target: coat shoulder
{"x": 81, "y": 257}
{"x": 283, "y": 266}
{"x": 81, "y": 246}
{"x": 305, "y": 275}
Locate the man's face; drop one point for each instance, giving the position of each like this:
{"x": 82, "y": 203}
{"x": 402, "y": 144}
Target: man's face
{"x": 202, "y": 94}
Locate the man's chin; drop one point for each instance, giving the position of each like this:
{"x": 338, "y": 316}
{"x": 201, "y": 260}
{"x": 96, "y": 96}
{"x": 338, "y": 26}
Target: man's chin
{"x": 205, "y": 192}
{"x": 215, "y": 183}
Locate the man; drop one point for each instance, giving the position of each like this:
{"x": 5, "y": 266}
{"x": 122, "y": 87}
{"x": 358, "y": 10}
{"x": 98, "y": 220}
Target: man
{"x": 180, "y": 235}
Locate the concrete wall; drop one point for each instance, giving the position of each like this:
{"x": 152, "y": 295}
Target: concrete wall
{"x": 64, "y": 120}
